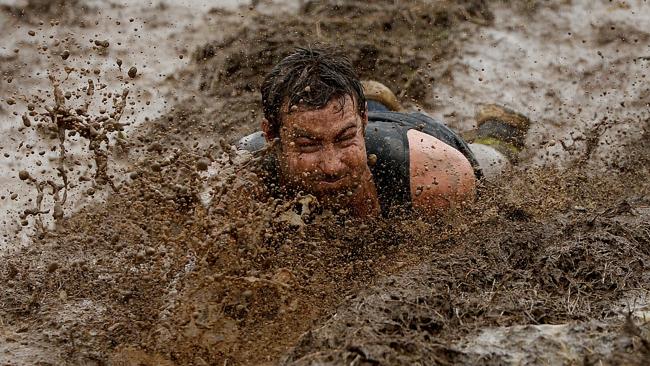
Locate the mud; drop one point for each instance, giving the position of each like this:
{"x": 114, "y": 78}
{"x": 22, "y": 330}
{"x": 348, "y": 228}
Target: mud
{"x": 187, "y": 261}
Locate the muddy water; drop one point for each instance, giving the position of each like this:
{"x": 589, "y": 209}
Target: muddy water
{"x": 568, "y": 66}
{"x": 153, "y": 276}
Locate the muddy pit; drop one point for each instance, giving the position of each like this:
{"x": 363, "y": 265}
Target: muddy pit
{"x": 159, "y": 253}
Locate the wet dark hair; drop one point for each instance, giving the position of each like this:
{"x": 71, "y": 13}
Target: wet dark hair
{"x": 310, "y": 77}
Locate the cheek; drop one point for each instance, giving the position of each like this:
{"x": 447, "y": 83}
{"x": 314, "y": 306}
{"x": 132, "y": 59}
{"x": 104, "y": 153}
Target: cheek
{"x": 354, "y": 156}
{"x": 302, "y": 162}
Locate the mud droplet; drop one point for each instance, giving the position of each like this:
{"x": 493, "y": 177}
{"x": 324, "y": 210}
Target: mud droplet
{"x": 103, "y": 43}
{"x": 119, "y": 62}
{"x": 26, "y": 121}
{"x": 283, "y": 275}
{"x": 65, "y": 54}
{"x": 31, "y": 33}
{"x": 10, "y": 101}
{"x": 202, "y": 164}
{"x": 52, "y": 267}
{"x": 133, "y": 72}
{"x": 23, "y": 175}
{"x": 156, "y": 146}
{"x": 57, "y": 211}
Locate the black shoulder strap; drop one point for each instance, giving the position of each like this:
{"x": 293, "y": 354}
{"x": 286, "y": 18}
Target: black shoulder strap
{"x": 391, "y": 172}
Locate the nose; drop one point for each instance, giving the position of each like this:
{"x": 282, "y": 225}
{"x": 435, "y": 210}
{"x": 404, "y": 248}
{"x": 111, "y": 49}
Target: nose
{"x": 331, "y": 163}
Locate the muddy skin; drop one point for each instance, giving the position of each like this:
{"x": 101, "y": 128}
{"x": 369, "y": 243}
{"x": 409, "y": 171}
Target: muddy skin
{"x": 191, "y": 262}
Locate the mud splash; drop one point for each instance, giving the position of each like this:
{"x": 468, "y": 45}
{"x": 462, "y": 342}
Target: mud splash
{"x": 182, "y": 266}
{"x": 103, "y": 42}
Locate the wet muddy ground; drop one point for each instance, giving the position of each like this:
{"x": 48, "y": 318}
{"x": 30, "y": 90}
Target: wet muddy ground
{"x": 154, "y": 250}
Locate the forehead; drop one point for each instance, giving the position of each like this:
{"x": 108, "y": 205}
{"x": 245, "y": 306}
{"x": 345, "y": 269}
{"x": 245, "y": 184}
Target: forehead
{"x": 322, "y": 122}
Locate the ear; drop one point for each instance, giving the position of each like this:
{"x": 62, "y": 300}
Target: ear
{"x": 365, "y": 114}
{"x": 364, "y": 119}
{"x": 266, "y": 128}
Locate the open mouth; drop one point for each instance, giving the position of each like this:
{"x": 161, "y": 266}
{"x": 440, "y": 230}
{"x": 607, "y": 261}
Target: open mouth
{"x": 331, "y": 179}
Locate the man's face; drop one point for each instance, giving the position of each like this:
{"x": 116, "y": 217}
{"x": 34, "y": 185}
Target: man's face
{"x": 323, "y": 151}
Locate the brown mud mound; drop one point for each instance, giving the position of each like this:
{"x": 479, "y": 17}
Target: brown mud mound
{"x": 159, "y": 275}
{"x": 513, "y": 267}
{"x": 170, "y": 281}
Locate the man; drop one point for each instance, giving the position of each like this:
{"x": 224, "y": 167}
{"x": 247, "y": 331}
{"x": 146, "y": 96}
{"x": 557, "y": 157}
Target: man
{"x": 347, "y": 143}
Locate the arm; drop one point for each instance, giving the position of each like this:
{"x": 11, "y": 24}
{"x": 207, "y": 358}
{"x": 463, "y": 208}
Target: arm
{"x": 441, "y": 176}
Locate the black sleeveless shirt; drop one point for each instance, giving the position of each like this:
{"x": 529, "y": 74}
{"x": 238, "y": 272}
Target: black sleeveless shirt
{"x": 386, "y": 138}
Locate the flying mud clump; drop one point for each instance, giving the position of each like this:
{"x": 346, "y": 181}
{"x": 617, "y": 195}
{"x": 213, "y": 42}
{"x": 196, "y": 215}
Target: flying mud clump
{"x": 66, "y": 119}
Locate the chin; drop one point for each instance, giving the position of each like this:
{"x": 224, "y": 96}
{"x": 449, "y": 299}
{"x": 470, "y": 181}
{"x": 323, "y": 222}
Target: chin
{"x": 334, "y": 194}
{"x": 341, "y": 186}
{"x": 329, "y": 191}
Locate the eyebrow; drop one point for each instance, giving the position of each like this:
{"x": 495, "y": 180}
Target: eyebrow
{"x": 300, "y": 133}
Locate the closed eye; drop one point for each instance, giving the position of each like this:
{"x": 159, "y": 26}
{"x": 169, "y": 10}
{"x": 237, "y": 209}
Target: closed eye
{"x": 346, "y": 138}
{"x": 348, "y": 133}
{"x": 308, "y": 145}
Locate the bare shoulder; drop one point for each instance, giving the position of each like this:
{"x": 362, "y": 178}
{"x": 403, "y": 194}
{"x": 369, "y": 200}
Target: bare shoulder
{"x": 441, "y": 176}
